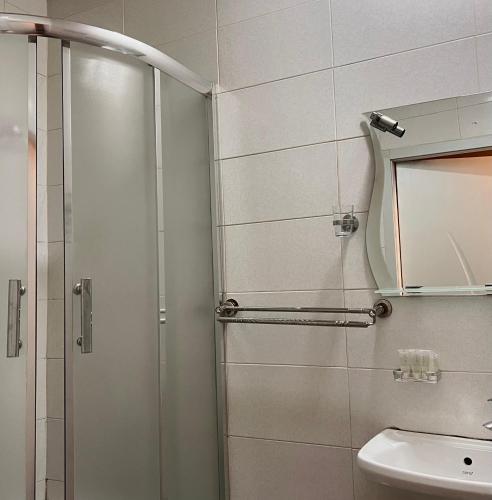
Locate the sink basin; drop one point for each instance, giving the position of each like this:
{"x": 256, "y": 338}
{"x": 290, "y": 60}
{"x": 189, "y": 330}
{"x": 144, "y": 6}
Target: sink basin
{"x": 437, "y": 465}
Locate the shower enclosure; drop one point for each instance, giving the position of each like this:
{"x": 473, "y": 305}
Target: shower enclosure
{"x": 133, "y": 267}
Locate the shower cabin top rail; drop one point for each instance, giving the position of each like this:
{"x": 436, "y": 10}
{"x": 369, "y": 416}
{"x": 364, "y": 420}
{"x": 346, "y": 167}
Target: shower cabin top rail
{"x": 228, "y": 310}
{"x": 21, "y": 24}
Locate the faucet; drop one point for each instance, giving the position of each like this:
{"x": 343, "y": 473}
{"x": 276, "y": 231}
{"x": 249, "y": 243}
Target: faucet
{"x": 488, "y": 425}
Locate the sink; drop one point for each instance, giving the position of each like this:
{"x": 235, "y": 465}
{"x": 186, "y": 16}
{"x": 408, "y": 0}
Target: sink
{"x": 427, "y": 463}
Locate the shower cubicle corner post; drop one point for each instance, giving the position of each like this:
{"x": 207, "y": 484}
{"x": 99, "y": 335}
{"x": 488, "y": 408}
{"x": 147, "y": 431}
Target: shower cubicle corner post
{"x": 68, "y": 257}
{"x": 158, "y": 159}
{"x": 31, "y": 274}
{"x": 218, "y": 256}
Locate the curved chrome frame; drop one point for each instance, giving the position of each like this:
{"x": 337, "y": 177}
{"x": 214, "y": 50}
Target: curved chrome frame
{"x": 21, "y": 24}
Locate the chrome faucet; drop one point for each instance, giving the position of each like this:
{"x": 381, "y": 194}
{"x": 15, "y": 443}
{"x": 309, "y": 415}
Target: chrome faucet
{"x": 488, "y": 425}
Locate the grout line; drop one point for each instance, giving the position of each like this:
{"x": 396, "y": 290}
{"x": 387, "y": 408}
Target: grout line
{"x": 258, "y": 16}
{"x": 280, "y": 365}
{"x": 349, "y": 368}
{"x": 237, "y": 436}
{"x": 479, "y": 86}
{"x": 290, "y": 365}
{"x": 292, "y": 147}
{"x": 362, "y": 61}
{"x": 287, "y": 219}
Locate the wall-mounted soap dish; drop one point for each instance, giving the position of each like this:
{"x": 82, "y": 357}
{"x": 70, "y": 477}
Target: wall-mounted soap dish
{"x": 425, "y": 377}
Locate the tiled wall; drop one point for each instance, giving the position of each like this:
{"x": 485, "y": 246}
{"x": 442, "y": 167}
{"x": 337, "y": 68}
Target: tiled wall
{"x": 295, "y": 77}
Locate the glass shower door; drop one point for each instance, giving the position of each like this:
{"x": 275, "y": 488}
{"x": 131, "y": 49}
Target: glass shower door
{"x": 112, "y": 315}
{"x": 15, "y": 150}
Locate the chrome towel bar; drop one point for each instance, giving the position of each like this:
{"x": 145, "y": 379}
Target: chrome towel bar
{"x": 228, "y": 310}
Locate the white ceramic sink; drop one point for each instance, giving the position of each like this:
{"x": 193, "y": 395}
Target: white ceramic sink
{"x": 426, "y": 463}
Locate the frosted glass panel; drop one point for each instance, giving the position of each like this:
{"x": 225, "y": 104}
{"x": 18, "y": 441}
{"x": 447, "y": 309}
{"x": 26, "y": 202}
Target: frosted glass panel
{"x": 189, "y": 423}
{"x": 116, "y": 387}
{"x": 13, "y": 258}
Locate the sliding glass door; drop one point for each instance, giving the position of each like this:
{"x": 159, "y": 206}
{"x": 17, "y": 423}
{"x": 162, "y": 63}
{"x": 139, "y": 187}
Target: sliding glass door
{"x": 17, "y": 148}
{"x": 112, "y": 350}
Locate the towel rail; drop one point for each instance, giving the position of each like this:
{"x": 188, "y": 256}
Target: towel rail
{"x": 228, "y": 310}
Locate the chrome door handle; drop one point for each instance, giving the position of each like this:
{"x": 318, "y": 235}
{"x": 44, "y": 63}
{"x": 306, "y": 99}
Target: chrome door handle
{"x": 84, "y": 289}
{"x": 14, "y": 342}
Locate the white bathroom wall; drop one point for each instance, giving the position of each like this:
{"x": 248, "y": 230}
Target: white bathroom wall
{"x": 295, "y": 76}
{"x": 294, "y": 81}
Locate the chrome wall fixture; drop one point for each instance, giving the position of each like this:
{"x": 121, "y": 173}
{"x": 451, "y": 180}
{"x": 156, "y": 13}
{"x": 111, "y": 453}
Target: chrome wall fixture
{"x": 228, "y": 310}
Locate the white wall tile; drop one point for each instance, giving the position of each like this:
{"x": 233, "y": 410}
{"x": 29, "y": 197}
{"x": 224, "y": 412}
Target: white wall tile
{"x": 426, "y": 74}
{"x": 55, "y": 213}
{"x": 42, "y": 214}
{"x": 54, "y": 102}
{"x": 198, "y": 52}
{"x": 158, "y": 22}
{"x": 457, "y": 405}
{"x": 42, "y": 111}
{"x": 287, "y": 43}
{"x": 274, "y": 470}
{"x": 356, "y": 172}
{"x": 41, "y": 450}
{"x": 54, "y": 57}
{"x": 288, "y": 345}
{"x": 55, "y": 490}
{"x": 299, "y": 254}
{"x": 55, "y": 388}
{"x": 457, "y": 328}
{"x": 365, "y": 489}
{"x": 42, "y": 157}
{"x": 41, "y": 490}
{"x": 287, "y": 113}
{"x": 56, "y": 329}
{"x": 33, "y": 7}
{"x": 484, "y": 49}
{"x": 55, "y": 158}
{"x": 108, "y": 15}
{"x": 55, "y": 468}
{"x": 65, "y": 8}
{"x": 356, "y": 269}
{"x": 300, "y": 182}
{"x": 41, "y": 389}
{"x": 42, "y": 56}
{"x": 41, "y": 328}
{"x": 291, "y": 403}
{"x": 232, "y": 11}
{"x": 42, "y": 271}
{"x": 483, "y": 12}
{"x": 56, "y": 271}
{"x": 364, "y": 30}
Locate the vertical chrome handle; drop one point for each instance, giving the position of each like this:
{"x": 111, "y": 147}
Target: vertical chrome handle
{"x": 84, "y": 289}
{"x": 14, "y": 343}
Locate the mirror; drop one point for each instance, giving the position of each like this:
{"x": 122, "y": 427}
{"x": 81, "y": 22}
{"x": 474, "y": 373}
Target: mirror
{"x": 428, "y": 231}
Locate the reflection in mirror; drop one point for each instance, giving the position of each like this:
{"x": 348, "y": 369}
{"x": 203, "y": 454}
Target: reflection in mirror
{"x": 426, "y": 230}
